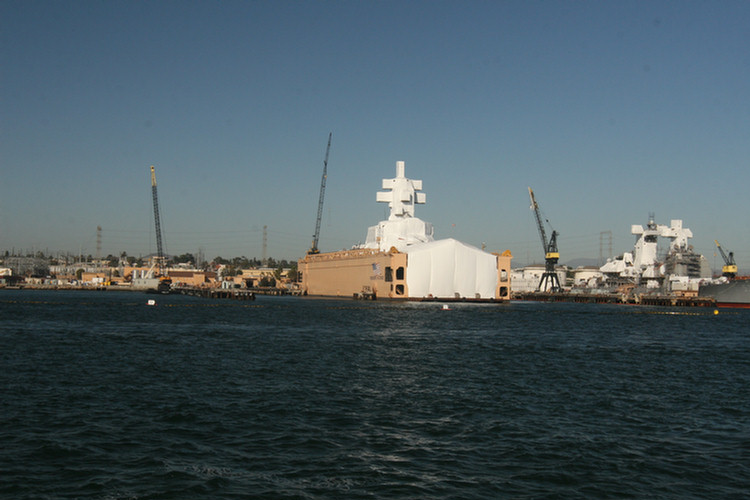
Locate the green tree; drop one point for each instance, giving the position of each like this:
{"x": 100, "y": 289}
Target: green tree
{"x": 185, "y": 258}
{"x": 241, "y": 262}
{"x": 293, "y": 274}
{"x": 267, "y": 281}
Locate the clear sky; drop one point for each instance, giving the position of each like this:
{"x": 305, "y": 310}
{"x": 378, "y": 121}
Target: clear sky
{"x": 608, "y": 110}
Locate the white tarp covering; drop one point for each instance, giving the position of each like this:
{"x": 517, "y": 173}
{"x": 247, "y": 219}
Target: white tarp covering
{"x": 448, "y": 267}
{"x": 398, "y": 233}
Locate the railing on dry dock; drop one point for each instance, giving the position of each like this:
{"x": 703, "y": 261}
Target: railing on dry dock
{"x": 232, "y": 293}
{"x": 611, "y": 298}
{"x": 216, "y": 293}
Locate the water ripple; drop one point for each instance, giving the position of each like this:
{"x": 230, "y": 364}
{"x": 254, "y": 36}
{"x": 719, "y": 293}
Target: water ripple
{"x": 104, "y": 398}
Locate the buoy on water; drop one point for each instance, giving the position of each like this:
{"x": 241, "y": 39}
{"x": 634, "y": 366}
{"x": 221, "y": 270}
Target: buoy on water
{"x": 151, "y": 302}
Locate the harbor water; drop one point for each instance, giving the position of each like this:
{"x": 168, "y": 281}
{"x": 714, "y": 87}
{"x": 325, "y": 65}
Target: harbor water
{"x": 106, "y": 397}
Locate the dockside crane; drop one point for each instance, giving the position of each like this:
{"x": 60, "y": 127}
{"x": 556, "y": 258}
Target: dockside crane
{"x": 730, "y": 267}
{"x": 160, "y": 264}
{"x": 550, "y": 281}
{"x": 316, "y": 236}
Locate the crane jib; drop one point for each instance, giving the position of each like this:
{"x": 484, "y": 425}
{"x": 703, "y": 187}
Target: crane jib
{"x": 316, "y": 235}
{"x": 550, "y": 281}
{"x": 157, "y": 222}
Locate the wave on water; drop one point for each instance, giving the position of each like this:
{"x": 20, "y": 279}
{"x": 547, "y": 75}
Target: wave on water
{"x": 107, "y": 398}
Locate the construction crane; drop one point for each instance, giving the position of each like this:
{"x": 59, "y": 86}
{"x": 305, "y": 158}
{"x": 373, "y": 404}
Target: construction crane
{"x": 730, "y": 268}
{"x": 157, "y": 223}
{"x": 316, "y": 236}
{"x": 550, "y": 281}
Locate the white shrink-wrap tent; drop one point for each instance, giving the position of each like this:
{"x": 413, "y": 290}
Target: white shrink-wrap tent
{"x": 449, "y": 269}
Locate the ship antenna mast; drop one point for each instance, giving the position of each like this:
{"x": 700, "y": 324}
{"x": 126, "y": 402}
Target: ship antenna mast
{"x": 551, "y": 254}
{"x": 316, "y": 236}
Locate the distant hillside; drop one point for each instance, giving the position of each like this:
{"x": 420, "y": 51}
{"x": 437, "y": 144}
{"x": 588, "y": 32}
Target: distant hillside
{"x": 573, "y": 263}
{"x": 581, "y": 262}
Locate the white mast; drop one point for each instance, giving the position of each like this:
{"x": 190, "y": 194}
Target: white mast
{"x": 402, "y": 228}
{"x": 402, "y": 194}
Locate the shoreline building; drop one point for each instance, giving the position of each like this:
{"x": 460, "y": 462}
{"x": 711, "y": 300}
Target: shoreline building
{"x": 400, "y": 259}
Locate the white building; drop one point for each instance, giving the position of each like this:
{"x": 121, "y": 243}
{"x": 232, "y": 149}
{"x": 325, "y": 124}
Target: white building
{"x": 527, "y": 279}
{"x": 587, "y": 277}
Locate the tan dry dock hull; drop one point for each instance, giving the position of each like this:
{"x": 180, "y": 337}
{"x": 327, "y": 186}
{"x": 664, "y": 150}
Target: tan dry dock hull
{"x": 366, "y": 273}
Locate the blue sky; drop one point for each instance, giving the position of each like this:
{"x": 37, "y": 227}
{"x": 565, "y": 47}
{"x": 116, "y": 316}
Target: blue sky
{"x": 608, "y": 110}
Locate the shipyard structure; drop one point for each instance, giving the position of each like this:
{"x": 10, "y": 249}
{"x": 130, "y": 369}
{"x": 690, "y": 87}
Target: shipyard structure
{"x": 681, "y": 270}
{"x": 400, "y": 259}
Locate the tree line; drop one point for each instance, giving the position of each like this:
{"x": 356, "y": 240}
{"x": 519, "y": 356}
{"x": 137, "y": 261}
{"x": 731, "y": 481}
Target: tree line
{"x": 38, "y": 262}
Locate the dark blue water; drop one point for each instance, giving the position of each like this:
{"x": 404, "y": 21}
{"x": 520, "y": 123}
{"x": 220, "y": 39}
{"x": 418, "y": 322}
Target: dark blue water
{"x": 105, "y": 397}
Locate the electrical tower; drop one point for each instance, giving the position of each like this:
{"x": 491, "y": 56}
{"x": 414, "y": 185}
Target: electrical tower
{"x": 199, "y": 258}
{"x": 550, "y": 281}
{"x": 265, "y": 246}
{"x": 316, "y": 235}
{"x": 98, "y": 245}
{"x": 602, "y": 237}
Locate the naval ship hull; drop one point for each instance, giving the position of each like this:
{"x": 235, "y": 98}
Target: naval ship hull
{"x": 735, "y": 293}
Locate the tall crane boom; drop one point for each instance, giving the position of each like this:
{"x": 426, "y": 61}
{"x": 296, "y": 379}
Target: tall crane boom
{"x": 316, "y": 235}
{"x": 539, "y": 223}
{"x": 157, "y": 221}
{"x": 550, "y": 281}
{"x": 730, "y": 268}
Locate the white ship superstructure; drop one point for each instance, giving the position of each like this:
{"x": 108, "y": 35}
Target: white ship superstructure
{"x": 643, "y": 266}
{"x": 402, "y": 228}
